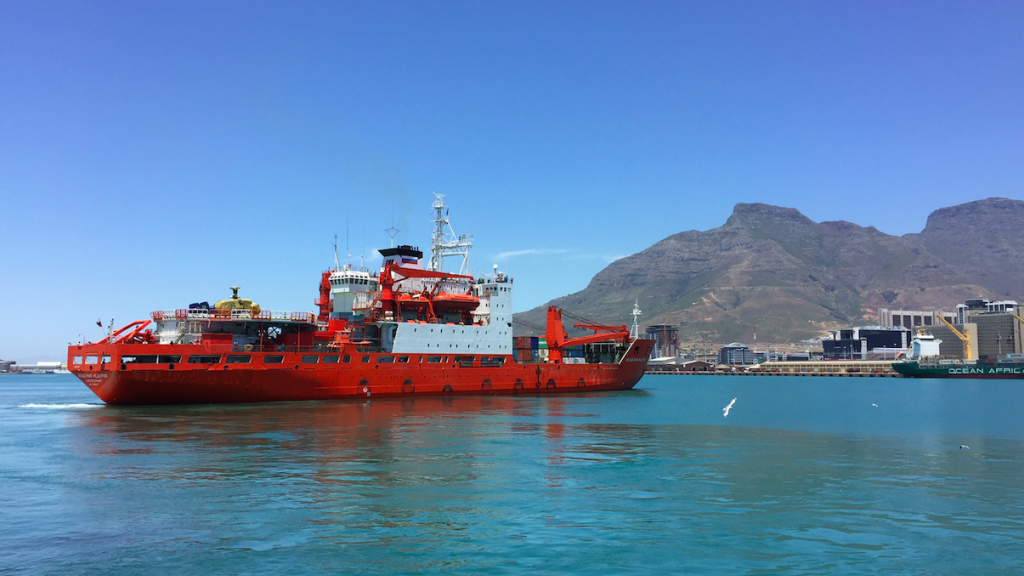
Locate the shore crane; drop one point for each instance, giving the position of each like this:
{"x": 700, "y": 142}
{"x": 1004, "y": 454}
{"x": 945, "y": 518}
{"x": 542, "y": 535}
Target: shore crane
{"x": 965, "y": 336}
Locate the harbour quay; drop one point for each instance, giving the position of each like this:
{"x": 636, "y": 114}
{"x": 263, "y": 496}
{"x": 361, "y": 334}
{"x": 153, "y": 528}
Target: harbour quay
{"x": 838, "y": 368}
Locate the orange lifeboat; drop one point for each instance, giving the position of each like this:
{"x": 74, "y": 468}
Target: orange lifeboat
{"x": 412, "y": 300}
{"x": 462, "y": 302}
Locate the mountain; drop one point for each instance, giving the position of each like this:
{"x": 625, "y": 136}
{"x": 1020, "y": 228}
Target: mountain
{"x": 984, "y": 238}
{"x": 774, "y": 271}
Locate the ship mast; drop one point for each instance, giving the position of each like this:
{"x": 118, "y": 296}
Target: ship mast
{"x": 445, "y": 242}
{"x": 635, "y": 332}
{"x": 391, "y": 232}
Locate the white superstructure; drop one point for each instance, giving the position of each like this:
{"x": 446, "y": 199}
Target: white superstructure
{"x": 924, "y": 346}
{"x": 347, "y": 284}
{"x": 490, "y": 332}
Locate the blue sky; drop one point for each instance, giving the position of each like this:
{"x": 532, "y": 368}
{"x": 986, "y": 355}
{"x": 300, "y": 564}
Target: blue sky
{"x": 154, "y": 153}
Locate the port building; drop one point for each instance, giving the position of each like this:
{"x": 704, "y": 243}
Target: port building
{"x": 995, "y": 328}
{"x": 866, "y": 342}
{"x": 971, "y": 309}
{"x": 913, "y": 318}
{"x": 735, "y": 354}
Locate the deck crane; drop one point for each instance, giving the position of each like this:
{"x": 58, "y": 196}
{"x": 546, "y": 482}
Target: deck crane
{"x": 1019, "y": 319}
{"x": 557, "y": 340}
{"x": 965, "y": 336}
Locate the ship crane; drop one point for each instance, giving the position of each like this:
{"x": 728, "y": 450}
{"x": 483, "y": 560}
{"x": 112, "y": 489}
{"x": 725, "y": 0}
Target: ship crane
{"x": 1019, "y": 319}
{"x": 557, "y": 339}
{"x": 965, "y": 336}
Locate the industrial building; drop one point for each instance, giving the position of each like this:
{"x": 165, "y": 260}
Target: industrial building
{"x": 865, "y": 341}
{"x": 994, "y": 328}
{"x": 997, "y": 335}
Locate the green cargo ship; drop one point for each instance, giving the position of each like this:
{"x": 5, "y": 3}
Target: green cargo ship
{"x": 914, "y": 369}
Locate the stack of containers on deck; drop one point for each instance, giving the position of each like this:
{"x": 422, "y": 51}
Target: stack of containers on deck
{"x": 521, "y": 349}
{"x": 527, "y": 349}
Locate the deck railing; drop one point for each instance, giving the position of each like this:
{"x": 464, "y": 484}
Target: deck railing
{"x": 220, "y": 315}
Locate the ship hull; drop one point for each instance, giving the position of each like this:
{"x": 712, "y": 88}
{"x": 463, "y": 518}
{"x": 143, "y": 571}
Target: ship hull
{"x": 294, "y": 380}
{"x": 983, "y": 371}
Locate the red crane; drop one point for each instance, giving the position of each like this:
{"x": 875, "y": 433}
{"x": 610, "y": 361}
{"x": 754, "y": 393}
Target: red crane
{"x": 557, "y": 340}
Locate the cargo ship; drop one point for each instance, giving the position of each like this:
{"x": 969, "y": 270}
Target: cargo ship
{"x": 406, "y": 330}
{"x": 958, "y": 369}
{"x": 924, "y": 360}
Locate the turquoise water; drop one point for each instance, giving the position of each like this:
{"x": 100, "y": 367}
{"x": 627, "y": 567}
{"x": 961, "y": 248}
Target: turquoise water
{"x": 805, "y": 476}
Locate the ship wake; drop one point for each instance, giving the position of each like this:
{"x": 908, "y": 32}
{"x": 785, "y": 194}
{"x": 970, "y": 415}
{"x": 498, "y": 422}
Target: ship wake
{"x": 61, "y": 406}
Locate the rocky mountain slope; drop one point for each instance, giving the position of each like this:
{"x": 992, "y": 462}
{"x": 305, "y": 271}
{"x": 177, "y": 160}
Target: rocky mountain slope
{"x": 983, "y": 239}
{"x": 773, "y": 270}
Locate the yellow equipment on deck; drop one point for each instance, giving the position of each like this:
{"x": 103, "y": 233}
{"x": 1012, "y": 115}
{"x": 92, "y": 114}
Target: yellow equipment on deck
{"x": 236, "y": 303}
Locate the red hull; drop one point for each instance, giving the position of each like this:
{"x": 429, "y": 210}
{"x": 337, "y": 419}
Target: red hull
{"x": 294, "y": 380}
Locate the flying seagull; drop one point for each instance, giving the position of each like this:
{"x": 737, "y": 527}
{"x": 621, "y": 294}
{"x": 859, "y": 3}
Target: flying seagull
{"x": 873, "y": 405}
{"x": 725, "y": 411}
{"x": 965, "y": 447}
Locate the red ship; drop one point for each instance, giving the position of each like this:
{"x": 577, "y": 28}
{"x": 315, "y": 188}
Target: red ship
{"x": 408, "y": 331}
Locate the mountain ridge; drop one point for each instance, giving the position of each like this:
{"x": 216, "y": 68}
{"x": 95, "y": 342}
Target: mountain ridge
{"x": 773, "y": 270}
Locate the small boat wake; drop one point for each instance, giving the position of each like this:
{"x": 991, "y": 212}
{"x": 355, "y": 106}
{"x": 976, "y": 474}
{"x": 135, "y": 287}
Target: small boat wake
{"x": 61, "y": 406}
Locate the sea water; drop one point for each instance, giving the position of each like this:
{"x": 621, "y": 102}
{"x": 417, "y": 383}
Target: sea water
{"x": 806, "y": 475}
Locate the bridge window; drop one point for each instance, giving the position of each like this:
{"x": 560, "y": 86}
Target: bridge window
{"x": 273, "y": 359}
{"x": 346, "y": 359}
{"x": 204, "y": 359}
{"x": 238, "y": 359}
{"x": 330, "y": 359}
{"x": 433, "y": 359}
{"x": 403, "y": 359}
{"x": 383, "y": 359}
{"x": 77, "y": 360}
{"x": 310, "y": 359}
